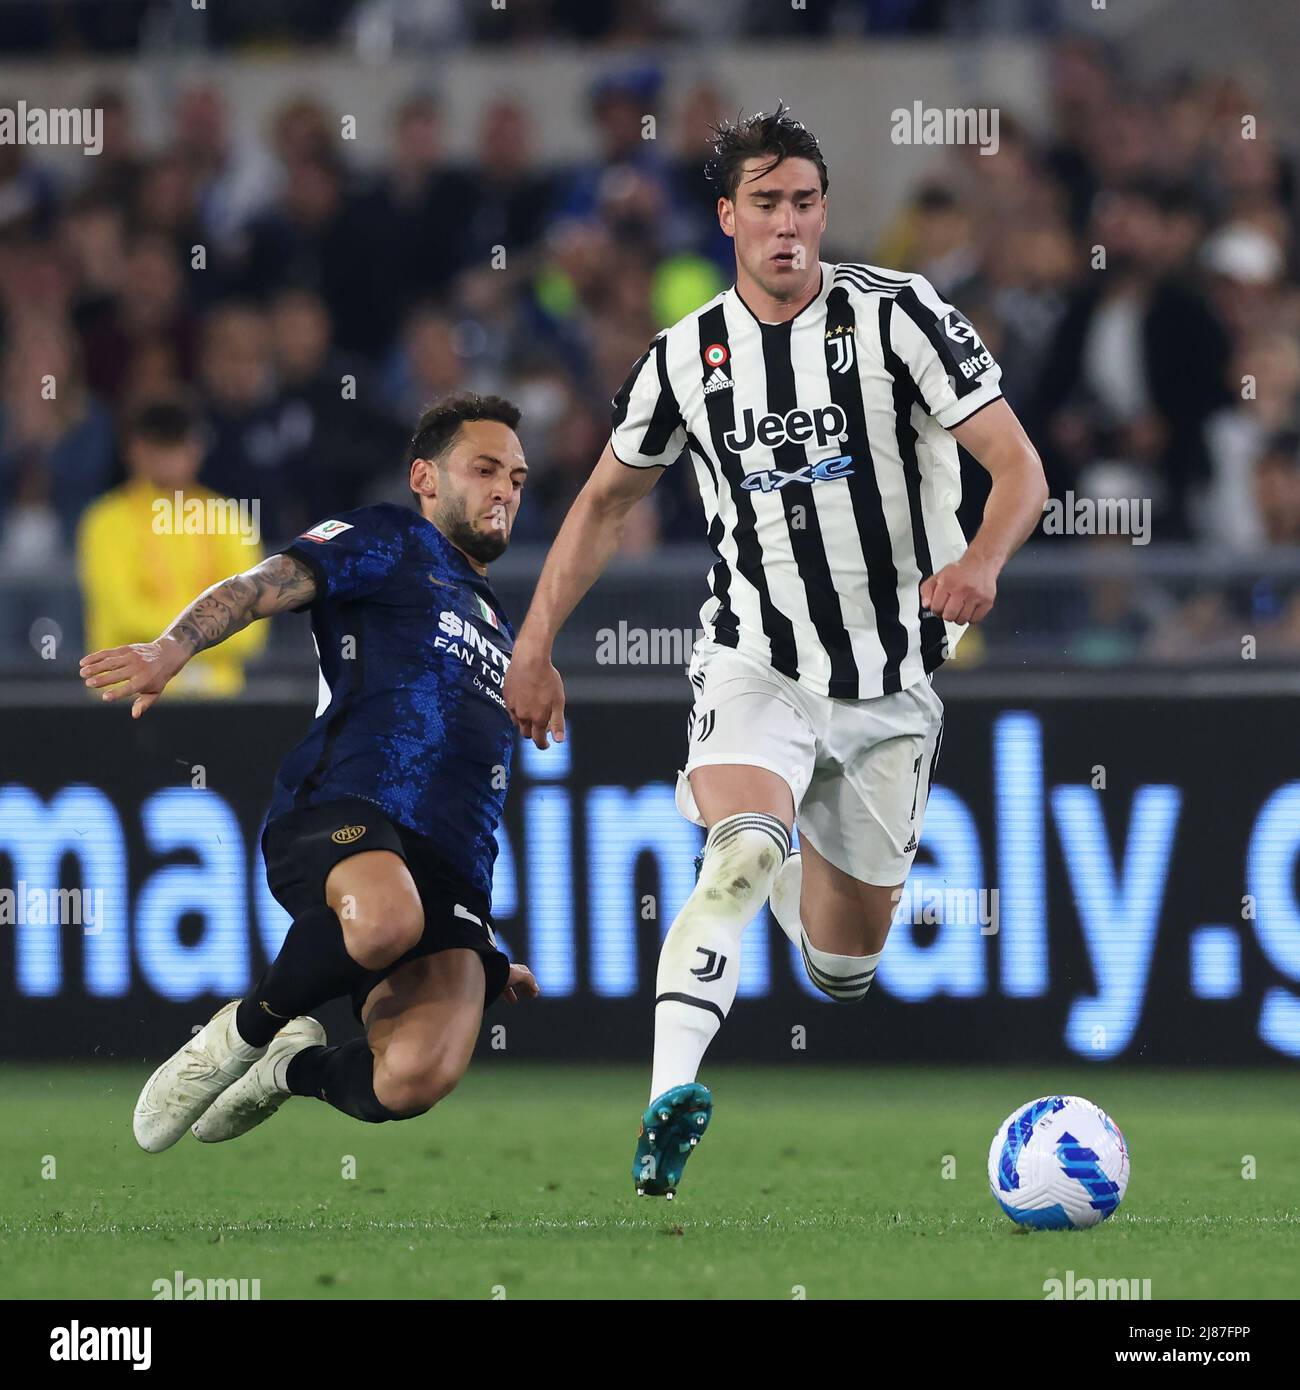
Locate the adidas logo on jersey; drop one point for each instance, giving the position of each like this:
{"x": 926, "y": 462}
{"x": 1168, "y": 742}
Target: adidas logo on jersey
{"x": 719, "y": 381}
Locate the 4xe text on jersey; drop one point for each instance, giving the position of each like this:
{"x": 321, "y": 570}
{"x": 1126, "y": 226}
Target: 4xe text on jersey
{"x": 769, "y": 479}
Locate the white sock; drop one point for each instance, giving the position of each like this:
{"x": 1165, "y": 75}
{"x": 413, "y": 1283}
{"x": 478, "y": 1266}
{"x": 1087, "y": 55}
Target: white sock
{"x": 699, "y": 963}
{"x": 845, "y": 979}
{"x": 842, "y": 978}
{"x": 786, "y": 890}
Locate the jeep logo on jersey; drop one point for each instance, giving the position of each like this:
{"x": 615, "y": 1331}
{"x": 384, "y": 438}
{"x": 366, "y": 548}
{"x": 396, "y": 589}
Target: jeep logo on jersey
{"x": 770, "y": 479}
{"x": 825, "y": 424}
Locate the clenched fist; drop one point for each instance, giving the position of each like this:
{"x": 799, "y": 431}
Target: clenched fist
{"x": 962, "y": 592}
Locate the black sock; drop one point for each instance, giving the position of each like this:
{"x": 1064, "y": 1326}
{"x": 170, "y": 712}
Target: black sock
{"x": 344, "y": 1076}
{"x": 312, "y": 968}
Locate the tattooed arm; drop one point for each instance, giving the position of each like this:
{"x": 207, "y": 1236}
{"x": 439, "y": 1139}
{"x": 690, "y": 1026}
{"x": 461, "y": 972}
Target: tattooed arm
{"x": 275, "y": 586}
{"x": 143, "y": 669}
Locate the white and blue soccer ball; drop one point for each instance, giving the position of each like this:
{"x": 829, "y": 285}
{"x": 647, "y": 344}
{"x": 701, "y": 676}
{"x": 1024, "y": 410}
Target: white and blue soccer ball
{"x": 1058, "y": 1163}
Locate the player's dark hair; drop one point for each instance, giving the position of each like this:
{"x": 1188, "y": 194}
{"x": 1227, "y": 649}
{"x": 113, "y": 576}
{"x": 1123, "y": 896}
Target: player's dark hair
{"x": 440, "y": 424}
{"x": 777, "y": 136}
{"x": 163, "y": 420}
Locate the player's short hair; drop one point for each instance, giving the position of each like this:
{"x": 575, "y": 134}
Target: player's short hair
{"x": 440, "y": 424}
{"x": 776, "y": 135}
{"x": 163, "y": 420}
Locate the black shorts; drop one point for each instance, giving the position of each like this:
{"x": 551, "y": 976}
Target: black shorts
{"x": 301, "y": 847}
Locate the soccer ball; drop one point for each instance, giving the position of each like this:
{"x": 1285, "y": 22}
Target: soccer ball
{"x": 1058, "y": 1163}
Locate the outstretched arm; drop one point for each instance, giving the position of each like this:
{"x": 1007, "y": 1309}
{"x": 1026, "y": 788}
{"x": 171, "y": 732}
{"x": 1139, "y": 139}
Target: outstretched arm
{"x": 143, "y": 669}
{"x": 534, "y": 692}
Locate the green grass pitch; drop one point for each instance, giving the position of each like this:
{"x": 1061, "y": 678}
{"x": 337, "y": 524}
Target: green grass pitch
{"x": 828, "y": 1183}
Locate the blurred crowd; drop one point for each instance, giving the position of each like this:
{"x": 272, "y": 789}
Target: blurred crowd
{"x": 1134, "y": 270}
{"x": 313, "y": 310}
{"x": 1136, "y": 276}
{"x": 377, "y": 27}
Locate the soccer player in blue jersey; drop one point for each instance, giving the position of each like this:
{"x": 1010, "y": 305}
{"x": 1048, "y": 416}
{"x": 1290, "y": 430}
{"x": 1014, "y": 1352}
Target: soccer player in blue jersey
{"x": 380, "y": 838}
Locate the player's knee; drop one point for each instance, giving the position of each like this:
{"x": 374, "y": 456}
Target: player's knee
{"x": 741, "y": 859}
{"x": 409, "y": 1084}
{"x": 378, "y": 933}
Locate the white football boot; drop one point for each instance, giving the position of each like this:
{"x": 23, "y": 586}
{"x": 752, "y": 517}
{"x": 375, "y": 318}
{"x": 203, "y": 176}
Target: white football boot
{"x": 784, "y": 898}
{"x": 258, "y": 1095}
{"x": 190, "y": 1080}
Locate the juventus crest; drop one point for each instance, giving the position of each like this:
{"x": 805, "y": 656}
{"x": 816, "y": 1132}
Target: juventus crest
{"x": 842, "y": 355}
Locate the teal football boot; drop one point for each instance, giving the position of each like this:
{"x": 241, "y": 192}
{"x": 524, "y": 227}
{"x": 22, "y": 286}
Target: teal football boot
{"x": 670, "y": 1129}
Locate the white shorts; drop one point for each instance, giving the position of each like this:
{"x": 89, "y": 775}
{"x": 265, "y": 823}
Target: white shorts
{"x": 859, "y": 770}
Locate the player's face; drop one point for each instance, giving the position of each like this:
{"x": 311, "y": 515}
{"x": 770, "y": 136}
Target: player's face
{"x": 777, "y": 221}
{"x": 474, "y": 495}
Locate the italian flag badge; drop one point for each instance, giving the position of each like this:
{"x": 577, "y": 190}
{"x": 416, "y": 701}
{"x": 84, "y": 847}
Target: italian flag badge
{"x": 487, "y": 613}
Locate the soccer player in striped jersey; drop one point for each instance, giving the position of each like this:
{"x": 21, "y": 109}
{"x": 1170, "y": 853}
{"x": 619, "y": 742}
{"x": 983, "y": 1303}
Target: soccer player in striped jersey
{"x": 821, "y": 406}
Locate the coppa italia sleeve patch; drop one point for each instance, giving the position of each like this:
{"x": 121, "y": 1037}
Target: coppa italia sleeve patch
{"x": 325, "y": 531}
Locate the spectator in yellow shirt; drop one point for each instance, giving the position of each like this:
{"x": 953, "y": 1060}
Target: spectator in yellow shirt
{"x": 145, "y": 548}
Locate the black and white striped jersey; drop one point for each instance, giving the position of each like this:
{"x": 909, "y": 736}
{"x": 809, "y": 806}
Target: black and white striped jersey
{"x": 829, "y": 480}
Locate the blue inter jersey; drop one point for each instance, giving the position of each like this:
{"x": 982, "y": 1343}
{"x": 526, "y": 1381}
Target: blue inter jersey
{"x": 413, "y": 650}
